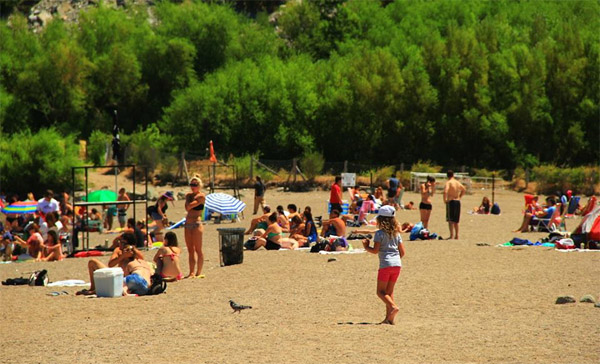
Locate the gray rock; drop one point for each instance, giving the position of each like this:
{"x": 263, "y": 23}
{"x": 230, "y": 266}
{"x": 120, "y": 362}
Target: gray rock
{"x": 597, "y": 304}
{"x": 180, "y": 195}
{"x": 44, "y": 17}
{"x": 565, "y": 299}
{"x": 588, "y": 298}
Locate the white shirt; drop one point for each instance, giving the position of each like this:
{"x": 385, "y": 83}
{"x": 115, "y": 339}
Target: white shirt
{"x": 47, "y": 206}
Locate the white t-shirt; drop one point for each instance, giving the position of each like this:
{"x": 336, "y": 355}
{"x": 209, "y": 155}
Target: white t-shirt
{"x": 47, "y": 206}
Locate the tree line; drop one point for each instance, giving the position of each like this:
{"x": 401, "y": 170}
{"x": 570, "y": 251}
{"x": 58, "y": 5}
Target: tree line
{"x": 494, "y": 84}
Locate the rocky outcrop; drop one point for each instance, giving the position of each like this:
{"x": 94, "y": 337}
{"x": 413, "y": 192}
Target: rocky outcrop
{"x": 68, "y": 10}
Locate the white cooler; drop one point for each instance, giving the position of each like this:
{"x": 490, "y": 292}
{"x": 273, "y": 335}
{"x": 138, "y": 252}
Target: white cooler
{"x": 109, "y": 282}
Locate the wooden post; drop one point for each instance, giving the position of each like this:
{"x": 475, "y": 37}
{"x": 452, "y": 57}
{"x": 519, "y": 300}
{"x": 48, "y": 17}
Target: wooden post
{"x": 493, "y": 186}
{"x": 345, "y": 166}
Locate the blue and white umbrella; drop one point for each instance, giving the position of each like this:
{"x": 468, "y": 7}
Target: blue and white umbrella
{"x": 223, "y": 204}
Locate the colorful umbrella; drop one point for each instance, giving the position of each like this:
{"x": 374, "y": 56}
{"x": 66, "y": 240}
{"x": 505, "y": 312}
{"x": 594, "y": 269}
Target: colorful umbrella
{"x": 101, "y": 196}
{"x": 224, "y": 204}
{"x": 21, "y": 207}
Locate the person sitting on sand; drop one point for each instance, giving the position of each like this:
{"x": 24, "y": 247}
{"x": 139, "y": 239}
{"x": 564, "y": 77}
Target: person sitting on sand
{"x": 292, "y": 211}
{"x": 132, "y": 228}
{"x": 167, "y": 259}
{"x": 283, "y": 220}
{"x": 297, "y": 230}
{"x": 119, "y": 258}
{"x": 409, "y": 206}
{"x": 484, "y": 208}
{"x": 542, "y": 214}
{"x": 34, "y": 243}
{"x": 379, "y": 194}
{"x": 273, "y": 238}
{"x": 335, "y": 226}
{"x": 260, "y": 222}
{"x": 52, "y": 248}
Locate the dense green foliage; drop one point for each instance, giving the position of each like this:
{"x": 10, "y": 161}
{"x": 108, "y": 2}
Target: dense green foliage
{"x": 494, "y": 84}
{"x": 35, "y": 162}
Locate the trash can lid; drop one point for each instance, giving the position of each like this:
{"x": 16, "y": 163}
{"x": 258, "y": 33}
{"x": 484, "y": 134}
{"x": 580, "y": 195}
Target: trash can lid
{"x": 225, "y": 231}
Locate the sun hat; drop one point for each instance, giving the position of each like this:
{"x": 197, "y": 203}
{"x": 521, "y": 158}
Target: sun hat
{"x": 387, "y": 211}
{"x": 168, "y": 195}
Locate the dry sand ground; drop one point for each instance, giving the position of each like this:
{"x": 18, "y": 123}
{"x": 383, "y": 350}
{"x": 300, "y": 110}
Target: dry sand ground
{"x": 460, "y": 303}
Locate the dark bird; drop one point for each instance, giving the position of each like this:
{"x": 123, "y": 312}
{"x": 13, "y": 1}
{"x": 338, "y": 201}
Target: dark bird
{"x": 236, "y": 307}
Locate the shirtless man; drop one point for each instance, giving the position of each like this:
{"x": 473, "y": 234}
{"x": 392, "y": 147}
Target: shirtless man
{"x": 427, "y": 190}
{"x": 453, "y": 192}
{"x": 259, "y": 222}
{"x": 119, "y": 258}
{"x": 334, "y": 226}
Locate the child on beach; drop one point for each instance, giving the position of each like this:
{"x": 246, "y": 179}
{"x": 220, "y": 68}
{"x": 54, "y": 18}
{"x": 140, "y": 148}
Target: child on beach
{"x": 388, "y": 245}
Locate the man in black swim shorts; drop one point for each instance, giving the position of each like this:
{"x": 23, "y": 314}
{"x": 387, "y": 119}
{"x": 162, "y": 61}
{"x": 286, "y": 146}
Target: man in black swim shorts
{"x": 453, "y": 192}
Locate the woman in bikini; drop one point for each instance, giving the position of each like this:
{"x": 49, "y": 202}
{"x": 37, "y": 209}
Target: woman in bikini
{"x": 167, "y": 259}
{"x": 52, "y": 247}
{"x": 273, "y": 238}
{"x": 194, "y": 204}
{"x": 427, "y": 190}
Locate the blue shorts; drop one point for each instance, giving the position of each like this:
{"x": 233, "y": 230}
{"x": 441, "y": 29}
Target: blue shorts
{"x": 136, "y": 284}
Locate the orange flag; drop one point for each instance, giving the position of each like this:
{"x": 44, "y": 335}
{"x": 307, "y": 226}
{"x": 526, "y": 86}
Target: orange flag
{"x": 213, "y": 157}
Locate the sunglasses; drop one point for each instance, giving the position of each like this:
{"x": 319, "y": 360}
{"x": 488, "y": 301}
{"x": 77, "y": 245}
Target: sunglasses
{"x": 194, "y": 185}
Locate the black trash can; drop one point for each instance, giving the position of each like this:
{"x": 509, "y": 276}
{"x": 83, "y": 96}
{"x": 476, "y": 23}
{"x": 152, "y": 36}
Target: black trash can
{"x": 231, "y": 245}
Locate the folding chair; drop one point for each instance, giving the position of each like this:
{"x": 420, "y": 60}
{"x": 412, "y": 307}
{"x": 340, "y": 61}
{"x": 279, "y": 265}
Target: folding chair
{"x": 547, "y": 224}
{"x": 572, "y": 207}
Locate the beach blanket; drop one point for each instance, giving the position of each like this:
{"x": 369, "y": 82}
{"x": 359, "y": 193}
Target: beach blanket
{"x": 527, "y": 243}
{"x": 577, "y": 250}
{"x": 68, "y": 283}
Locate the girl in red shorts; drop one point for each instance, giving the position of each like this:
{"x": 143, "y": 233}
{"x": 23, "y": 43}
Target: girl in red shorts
{"x": 388, "y": 245}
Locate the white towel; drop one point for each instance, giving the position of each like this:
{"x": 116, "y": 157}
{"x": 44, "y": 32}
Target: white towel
{"x": 68, "y": 283}
{"x": 353, "y": 251}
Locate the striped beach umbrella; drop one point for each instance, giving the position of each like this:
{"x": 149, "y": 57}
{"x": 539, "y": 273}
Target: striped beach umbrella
{"x": 21, "y": 207}
{"x": 224, "y": 204}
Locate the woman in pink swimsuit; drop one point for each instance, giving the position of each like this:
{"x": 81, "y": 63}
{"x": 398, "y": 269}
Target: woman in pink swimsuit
{"x": 167, "y": 259}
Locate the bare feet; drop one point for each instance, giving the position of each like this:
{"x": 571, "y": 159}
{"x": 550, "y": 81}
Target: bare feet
{"x": 385, "y": 322}
{"x": 392, "y": 316}
{"x": 191, "y": 275}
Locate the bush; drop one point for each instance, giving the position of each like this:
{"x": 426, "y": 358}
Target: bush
{"x": 145, "y": 147}
{"x": 242, "y": 165}
{"x": 381, "y": 175}
{"x": 311, "y": 164}
{"x": 36, "y": 162}
{"x": 425, "y": 167}
{"x": 96, "y": 149}
{"x": 552, "y": 179}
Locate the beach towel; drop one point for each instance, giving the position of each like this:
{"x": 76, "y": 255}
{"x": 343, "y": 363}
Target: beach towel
{"x": 68, "y": 283}
{"x": 89, "y": 253}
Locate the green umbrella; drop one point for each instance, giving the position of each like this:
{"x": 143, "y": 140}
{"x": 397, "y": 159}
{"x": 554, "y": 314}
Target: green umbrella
{"x": 101, "y": 196}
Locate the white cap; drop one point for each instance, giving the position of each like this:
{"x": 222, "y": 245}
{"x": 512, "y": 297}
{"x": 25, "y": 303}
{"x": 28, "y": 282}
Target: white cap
{"x": 386, "y": 211}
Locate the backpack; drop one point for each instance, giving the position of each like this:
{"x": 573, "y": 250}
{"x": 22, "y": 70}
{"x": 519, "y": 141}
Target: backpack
{"x": 158, "y": 285}
{"x": 38, "y": 278}
{"x": 495, "y": 209}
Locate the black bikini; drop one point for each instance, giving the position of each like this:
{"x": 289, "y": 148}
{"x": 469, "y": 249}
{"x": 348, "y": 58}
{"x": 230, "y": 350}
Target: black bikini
{"x": 199, "y": 207}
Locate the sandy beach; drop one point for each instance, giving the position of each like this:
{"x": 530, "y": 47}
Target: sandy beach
{"x": 465, "y": 301}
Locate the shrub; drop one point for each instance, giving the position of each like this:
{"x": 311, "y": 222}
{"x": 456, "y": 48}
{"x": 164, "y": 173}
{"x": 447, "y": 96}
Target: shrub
{"x": 96, "y": 149}
{"x": 242, "y": 165}
{"x": 552, "y": 179}
{"x": 36, "y": 162}
{"x": 425, "y": 167}
{"x": 312, "y": 164}
{"x": 146, "y": 145}
{"x": 381, "y": 175}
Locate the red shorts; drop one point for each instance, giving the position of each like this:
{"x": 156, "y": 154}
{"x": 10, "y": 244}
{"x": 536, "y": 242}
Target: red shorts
{"x": 388, "y": 274}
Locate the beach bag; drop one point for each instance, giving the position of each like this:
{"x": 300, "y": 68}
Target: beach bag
{"x": 38, "y": 278}
{"x": 565, "y": 244}
{"x": 320, "y": 245}
{"x": 495, "y": 209}
{"x": 157, "y": 286}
